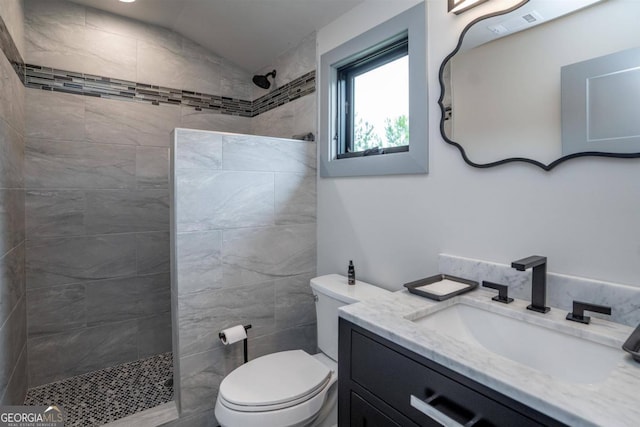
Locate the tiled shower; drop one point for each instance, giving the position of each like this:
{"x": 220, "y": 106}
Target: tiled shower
{"x": 84, "y": 180}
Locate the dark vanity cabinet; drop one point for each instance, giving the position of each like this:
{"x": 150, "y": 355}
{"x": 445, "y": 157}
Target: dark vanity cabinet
{"x": 383, "y": 384}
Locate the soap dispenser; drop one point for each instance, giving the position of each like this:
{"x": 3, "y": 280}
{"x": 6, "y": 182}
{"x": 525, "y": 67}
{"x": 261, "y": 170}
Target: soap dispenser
{"x": 351, "y": 274}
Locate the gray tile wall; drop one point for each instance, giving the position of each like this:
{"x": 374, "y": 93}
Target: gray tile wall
{"x": 96, "y": 173}
{"x": 97, "y": 200}
{"x": 68, "y": 36}
{"x": 13, "y": 325}
{"x": 297, "y": 117}
{"x": 97, "y": 229}
{"x": 244, "y": 250}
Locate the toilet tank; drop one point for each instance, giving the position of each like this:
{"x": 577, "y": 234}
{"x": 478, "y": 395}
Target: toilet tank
{"x": 332, "y": 292}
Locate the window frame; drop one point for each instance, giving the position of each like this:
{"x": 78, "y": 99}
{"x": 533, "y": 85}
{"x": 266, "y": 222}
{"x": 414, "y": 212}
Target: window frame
{"x": 408, "y": 160}
{"x": 384, "y": 54}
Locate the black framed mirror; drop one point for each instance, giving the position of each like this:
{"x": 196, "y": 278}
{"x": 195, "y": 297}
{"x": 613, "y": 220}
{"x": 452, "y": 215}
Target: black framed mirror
{"x": 509, "y": 88}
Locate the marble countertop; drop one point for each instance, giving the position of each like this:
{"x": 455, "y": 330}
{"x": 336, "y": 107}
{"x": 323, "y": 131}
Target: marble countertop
{"x": 613, "y": 402}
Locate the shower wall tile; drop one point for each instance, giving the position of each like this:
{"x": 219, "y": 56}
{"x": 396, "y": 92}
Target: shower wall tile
{"x": 11, "y": 219}
{"x": 128, "y": 298}
{"x": 17, "y": 385}
{"x": 55, "y": 213}
{"x": 11, "y": 88}
{"x": 56, "y": 309}
{"x": 152, "y": 168}
{"x": 54, "y": 34}
{"x": 214, "y": 121}
{"x": 152, "y": 252}
{"x": 78, "y": 165}
{"x": 204, "y": 314}
{"x": 12, "y": 14}
{"x": 201, "y": 71}
{"x": 297, "y": 338}
{"x": 109, "y": 54}
{"x": 198, "y": 150}
{"x": 57, "y": 37}
{"x": 295, "y": 198}
{"x": 291, "y": 119}
{"x": 295, "y": 304}
{"x": 154, "y": 335}
{"x": 131, "y": 123}
{"x": 254, "y": 255}
{"x": 12, "y": 280}
{"x": 13, "y": 318}
{"x": 201, "y": 375}
{"x": 84, "y": 350}
{"x": 219, "y": 199}
{"x": 160, "y": 64}
{"x": 54, "y": 116}
{"x": 11, "y": 157}
{"x": 122, "y": 211}
{"x": 236, "y": 82}
{"x": 199, "y": 261}
{"x": 130, "y": 28}
{"x": 59, "y": 261}
{"x": 12, "y": 341}
{"x": 246, "y": 153}
{"x": 291, "y": 64}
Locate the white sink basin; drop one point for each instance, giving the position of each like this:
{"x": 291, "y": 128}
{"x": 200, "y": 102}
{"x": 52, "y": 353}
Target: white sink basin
{"x": 561, "y": 355}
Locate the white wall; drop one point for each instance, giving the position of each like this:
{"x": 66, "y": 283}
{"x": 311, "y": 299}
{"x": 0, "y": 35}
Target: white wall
{"x": 583, "y": 215}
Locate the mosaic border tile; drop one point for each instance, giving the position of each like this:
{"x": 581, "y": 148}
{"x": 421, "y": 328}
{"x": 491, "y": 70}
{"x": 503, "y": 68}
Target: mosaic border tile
{"x": 46, "y": 78}
{"x": 302, "y": 86}
{"x": 52, "y": 79}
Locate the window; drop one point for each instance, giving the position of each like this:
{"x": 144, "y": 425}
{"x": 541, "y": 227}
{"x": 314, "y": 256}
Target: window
{"x": 366, "y": 126}
{"x": 373, "y": 117}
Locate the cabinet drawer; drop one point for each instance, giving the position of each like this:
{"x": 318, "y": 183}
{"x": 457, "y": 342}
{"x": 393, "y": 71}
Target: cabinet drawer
{"x": 394, "y": 378}
{"x": 364, "y": 414}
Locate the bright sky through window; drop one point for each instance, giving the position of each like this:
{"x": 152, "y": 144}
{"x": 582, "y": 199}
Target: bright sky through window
{"x": 382, "y": 94}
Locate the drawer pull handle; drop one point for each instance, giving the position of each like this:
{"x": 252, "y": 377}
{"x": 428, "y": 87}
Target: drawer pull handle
{"x": 438, "y": 416}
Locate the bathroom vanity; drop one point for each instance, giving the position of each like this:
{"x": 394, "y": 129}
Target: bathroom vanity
{"x": 399, "y": 368}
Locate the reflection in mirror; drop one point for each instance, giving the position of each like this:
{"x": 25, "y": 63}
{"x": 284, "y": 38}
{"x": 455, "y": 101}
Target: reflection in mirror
{"x": 502, "y": 88}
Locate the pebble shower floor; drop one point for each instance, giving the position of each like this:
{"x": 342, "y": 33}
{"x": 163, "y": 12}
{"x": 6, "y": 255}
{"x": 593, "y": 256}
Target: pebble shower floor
{"x": 100, "y": 397}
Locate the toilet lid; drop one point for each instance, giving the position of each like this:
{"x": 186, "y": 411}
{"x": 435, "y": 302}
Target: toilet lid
{"x": 275, "y": 379}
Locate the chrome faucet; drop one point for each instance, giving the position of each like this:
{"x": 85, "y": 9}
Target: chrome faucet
{"x": 539, "y": 282}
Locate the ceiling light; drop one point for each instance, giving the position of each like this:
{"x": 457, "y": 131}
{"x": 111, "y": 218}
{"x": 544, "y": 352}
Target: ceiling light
{"x": 127, "y": 1}
{"x": 459, "y": 6}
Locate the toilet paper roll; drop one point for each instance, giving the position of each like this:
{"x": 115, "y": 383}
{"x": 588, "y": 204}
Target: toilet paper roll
{"x": 233, "y": 334}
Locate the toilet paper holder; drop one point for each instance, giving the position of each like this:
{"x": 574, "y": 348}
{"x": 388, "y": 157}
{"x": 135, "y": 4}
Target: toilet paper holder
{"x": 244, "y": 342}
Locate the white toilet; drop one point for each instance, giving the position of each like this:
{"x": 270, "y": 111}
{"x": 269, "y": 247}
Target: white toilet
{"x": 293, "y": 388}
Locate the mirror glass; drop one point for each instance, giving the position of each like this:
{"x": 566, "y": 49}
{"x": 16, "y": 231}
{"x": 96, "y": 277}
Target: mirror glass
{"x": 502, "y": 92}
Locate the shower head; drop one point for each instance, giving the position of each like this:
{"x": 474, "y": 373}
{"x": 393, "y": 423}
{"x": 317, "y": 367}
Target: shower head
{"x": 263, "y": 81}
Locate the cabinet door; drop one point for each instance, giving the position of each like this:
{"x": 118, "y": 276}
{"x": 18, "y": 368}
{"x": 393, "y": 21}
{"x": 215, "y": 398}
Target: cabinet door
{"x": 364, "y": 414}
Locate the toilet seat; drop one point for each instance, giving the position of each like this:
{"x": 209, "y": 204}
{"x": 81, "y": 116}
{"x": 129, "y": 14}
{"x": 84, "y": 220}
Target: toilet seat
{"x": 275, "y": 381}
{"x": 303, "y": 410}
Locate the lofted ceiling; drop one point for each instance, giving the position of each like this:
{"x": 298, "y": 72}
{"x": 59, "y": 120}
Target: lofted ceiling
{"x": 250, "y": 33}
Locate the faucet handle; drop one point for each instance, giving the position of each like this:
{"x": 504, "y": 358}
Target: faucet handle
{"x": 579, "y": 307}
{"x": 503, "y": 291}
